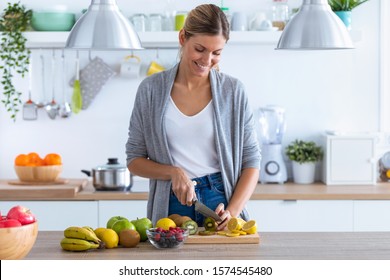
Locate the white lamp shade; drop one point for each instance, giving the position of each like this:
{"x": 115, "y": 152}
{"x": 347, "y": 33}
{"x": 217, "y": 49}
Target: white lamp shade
{"x": 103, "y": 27}
{"x": 315, "y": 27}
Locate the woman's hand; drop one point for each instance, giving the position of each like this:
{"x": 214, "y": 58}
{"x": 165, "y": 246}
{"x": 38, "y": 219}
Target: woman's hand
{"x": 182, "y": 187}
{"x": 224, "y": 214}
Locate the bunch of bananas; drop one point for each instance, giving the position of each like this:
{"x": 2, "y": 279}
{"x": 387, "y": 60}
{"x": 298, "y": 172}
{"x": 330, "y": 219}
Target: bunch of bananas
{"x": 80, "y": 239}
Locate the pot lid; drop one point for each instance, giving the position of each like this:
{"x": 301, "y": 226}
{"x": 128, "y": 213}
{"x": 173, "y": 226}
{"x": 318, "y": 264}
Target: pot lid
{"x": 112, "y": 164}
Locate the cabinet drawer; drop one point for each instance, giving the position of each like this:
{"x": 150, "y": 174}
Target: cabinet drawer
{"x": 58, "y": 215}
{"x": 302, "y": 215}
{"x": 131, "y": 209}
{"x": 371, "y": 215}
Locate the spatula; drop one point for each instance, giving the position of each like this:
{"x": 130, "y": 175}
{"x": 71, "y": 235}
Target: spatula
{"x": 77, "y": 100}
{"x": 30, "y": 108}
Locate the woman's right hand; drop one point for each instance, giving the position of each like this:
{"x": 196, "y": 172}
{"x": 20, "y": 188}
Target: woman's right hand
{"x": 182, "y": 187}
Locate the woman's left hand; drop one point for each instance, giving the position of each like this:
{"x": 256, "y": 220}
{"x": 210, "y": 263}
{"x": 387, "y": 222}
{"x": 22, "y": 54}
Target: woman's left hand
{"x": 224, "y": 214}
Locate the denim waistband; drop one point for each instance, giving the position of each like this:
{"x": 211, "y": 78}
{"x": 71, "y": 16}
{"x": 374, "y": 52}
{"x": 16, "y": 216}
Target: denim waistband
{"x": 207, "y": 179}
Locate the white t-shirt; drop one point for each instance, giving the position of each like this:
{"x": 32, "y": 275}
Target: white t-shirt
{"x": 191, "y": 140}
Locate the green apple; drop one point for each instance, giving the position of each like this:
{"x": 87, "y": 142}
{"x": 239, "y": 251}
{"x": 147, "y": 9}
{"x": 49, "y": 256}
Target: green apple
{"x": 120, "y": 225}
{"x": 141, "y": 226}
{"x": 112, "y": 220}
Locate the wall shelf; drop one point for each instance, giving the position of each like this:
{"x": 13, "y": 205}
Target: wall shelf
{"x": 166, "y": 39}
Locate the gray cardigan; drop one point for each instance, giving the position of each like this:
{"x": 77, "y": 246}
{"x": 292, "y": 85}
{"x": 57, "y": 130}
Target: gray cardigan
{"x": 236, "y": 140}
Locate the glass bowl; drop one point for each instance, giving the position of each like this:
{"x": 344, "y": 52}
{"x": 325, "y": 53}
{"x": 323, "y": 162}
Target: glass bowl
{"x": 167, "y": 239}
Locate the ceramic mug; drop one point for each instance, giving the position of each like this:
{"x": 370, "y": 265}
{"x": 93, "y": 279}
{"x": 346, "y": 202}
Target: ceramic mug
{"x": 131, "y": 66}
{"x": 255, "y": 22}
{"x": 154, "y": 67}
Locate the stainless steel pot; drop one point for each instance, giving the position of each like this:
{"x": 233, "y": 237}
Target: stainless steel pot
{"x": 112, "y": 176}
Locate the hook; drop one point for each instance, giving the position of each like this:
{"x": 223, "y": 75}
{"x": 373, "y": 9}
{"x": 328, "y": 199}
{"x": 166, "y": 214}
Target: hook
{"x": 157, "y": 54}
{"x": 77, "y": 54}
{"x": 89, "y": 55}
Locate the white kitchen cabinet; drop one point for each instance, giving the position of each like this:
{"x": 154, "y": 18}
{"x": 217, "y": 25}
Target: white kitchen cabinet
{"x": 349, "y": 160}
{"x": 131, "y": 209}
{"x": 371, "y": 215}
{"x": 302, "y": 215}
{"x": 58, "y": 215}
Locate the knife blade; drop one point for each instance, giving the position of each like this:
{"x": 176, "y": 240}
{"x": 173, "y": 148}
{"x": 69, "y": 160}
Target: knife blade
{"x": 205, "y": 211}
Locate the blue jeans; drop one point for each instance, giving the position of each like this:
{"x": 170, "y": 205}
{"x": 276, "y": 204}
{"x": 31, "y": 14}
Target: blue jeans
{"x": 209, "y": 190}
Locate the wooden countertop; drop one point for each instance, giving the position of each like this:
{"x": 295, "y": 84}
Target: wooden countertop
{"x": 273, "y": 246}
{"x": 288, "y": 191}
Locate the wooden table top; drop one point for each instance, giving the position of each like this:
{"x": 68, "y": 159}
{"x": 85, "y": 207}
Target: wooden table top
{"x": 273, "y": 246}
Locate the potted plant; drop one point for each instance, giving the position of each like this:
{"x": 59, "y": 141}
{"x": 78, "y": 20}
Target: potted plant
{"x": 343, "y": 8}
{"x": 304, "y": 156}
{"x": 14, "y": 55}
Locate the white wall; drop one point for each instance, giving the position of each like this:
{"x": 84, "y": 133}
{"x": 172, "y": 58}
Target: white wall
{"x": 320, "y": 90}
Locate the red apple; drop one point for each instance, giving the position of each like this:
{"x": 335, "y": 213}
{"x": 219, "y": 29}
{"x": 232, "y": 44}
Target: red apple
{"x": 10, "y": 223}
{"x": 22, "y": 214}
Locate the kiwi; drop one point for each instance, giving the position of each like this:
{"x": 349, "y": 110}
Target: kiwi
{"x": 174, "y": 217}
{"x": 191, "y": 225}
{"x": 129, "y": 238}
{"x": 210, "y": 224}
{"x": 181, "y": 220}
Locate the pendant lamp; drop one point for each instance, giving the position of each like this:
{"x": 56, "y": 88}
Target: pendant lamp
{"x": 103, "y": 27}
{"x": 315, "y": 27}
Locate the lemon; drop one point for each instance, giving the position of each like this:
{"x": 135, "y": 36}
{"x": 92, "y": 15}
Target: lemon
{"x": 165, "y": 223}
{"x": 99, "y": 231}
{"x": 235, "y": 224}
{"x": 250, "y": 227}
{"x": 110, "y": 238}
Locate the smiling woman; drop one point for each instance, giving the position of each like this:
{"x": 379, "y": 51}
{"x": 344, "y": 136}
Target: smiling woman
{"x": 202, "y": 132}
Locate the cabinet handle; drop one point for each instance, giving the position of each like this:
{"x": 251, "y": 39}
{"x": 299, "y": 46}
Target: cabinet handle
{"x": 290, "y": 200}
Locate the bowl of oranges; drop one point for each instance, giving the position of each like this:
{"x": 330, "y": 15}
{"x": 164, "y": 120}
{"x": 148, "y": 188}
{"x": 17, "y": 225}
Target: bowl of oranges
{"x": 33, "y": 168}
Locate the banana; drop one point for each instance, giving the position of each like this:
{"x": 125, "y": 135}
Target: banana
{"x": 81, "y": 233}
{"x": 88, "y": 228}
{"x": 74, "y": 244}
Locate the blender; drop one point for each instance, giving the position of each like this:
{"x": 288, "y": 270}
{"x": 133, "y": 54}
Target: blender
{"x": 271, "y": 127}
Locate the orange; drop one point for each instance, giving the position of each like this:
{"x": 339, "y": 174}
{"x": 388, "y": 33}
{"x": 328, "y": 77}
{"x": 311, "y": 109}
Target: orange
{"x": 22, "y": 160}
{"x": 52, "y": 159}
{"x": 34, "y": 159}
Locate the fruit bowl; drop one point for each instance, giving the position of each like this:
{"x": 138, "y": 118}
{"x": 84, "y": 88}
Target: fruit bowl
{"x": 16, "y": 242}
{"x": 48, "y": 173}
{"x": 167, "y": 239}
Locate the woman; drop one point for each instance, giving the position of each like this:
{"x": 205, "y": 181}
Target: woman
{"x": 192, "y": 124}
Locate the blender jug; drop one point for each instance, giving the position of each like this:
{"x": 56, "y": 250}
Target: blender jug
{"x": 271, "y": 127}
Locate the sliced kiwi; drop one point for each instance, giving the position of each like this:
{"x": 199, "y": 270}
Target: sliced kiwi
{"x": 210, "y": 224}
{"x": 191, "y": 225}
{"x": 206, "y": 232}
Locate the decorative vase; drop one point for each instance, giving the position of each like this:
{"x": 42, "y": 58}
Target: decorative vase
{"x": 303, "y": 173}
{"x": 345, "y": 17}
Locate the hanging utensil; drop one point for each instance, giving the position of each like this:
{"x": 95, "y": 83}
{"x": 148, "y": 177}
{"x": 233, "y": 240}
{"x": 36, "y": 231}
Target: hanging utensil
{"x": 30, "y": 108}
{"x": 43, "y": 102}
{"x": 65, "y": 109}
{"x": 77, "y": 101}
{"x": 52, "y": 107}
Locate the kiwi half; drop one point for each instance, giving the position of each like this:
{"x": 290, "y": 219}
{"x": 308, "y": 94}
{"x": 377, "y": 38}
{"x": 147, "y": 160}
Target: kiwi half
{"x": 191, "y": 225}
{"x": 181, "y": 220}
{"x": 206, "y": 232}
{"x": 210, "y": 224}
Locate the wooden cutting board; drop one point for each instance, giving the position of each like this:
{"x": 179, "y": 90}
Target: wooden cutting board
{"x": 68, "y": 188}
{"x": 221, "y": 239}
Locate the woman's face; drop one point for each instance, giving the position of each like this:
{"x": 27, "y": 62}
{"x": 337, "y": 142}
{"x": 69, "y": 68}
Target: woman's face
{"x": 201, "y": 52}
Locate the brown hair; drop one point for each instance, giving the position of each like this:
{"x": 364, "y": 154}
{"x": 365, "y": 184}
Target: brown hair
{"x": 206, "y": 19}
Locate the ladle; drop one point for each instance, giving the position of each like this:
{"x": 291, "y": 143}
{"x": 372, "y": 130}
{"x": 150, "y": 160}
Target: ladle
{"x": 52, "y": 108}
{"x": 65, "y": 109}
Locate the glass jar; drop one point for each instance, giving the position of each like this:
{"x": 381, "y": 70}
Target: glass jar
{"x": 139, "y": 22}
{"x": 180, "y": 18}
{"x": 155, "y": 22}
{"x": 280, "y": 13}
